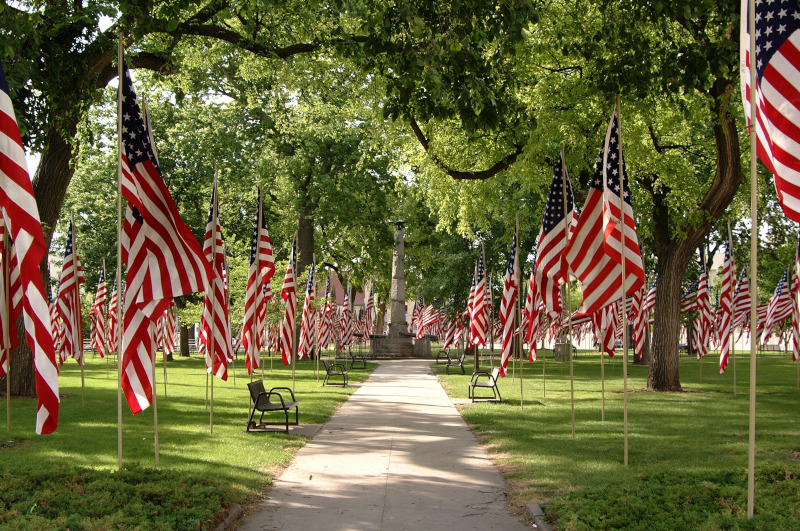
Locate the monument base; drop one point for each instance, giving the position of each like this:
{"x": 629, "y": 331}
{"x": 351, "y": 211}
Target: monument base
{"x": 397, "y": 344}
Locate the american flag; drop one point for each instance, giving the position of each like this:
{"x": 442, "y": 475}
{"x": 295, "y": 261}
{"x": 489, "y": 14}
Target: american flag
{"x": 289, "y": 294}
{"x": 507, "y": 313}
{"x": 262, "y": 267}
{"x": 533, "y": 311}
{"x": 416, "y": 314}
{"x": 21, "y": 217}
{"x": 326, "y": 319}
{"x": 111, "y": 332}
{"x": 216, "y": 321}
{"x": 796, "y": 306}
{"x": 650, "y": 299}
{"x": 346, "y": 322}
{"x": 170, "y": 330}
{"x": 639, "y": 322}
{"x": 777, "y": 94}
{"x": 8, "y": 334}
{"x": 369, "y": 314}
{"x": 261, "y": 318}
{"x": 163, "y": 257}
{"x": 479, "y": 323}
{"x": 423, "y": 319}
{"x": 305, "y": 346}
{"x": 689, "y": 299}
{"x": 741, "y": 299}
{"x": 780, "y": 306}
{"x": 450, "y": 333}
{"x": 551, "y": 264}
{"x": 99, "y": 312}
{"x": 701, "y": 328}
{"x": 69, "y": 300}
{"x": 615, "y": 177}
{"x": 605, "y": 328}
{"x": 724, "y": 328}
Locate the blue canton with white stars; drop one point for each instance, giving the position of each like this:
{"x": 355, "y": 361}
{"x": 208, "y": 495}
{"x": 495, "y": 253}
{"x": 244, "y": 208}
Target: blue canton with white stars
{"x": 776, "y": 20}
{"x": 613, "y": 163}
{"x": 511, "y": 255}
{"x": 68, "y": 246}
{"x": 554, "y": 209}
{"x": 135, "y": 136}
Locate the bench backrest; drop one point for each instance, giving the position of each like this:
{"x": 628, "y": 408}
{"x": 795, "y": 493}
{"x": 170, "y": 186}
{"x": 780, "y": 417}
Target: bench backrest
{"x": 495, "y": 375}
{"x": 327, "y": 365}
{"x": 256, "y": 388}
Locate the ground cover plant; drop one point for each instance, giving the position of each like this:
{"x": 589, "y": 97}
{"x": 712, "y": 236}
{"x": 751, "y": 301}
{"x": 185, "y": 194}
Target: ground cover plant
{"x": 687, "y": 454}
{"x": 70, "y": 479}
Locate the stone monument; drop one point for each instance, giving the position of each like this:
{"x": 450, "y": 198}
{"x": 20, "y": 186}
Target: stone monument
{"x": 399, "y": 342}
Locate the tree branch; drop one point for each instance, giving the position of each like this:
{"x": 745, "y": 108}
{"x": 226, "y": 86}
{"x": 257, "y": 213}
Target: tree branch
{"x": 458, "y": 175}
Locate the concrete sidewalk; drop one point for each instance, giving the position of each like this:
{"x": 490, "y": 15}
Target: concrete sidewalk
{"x": 396, "y": 456}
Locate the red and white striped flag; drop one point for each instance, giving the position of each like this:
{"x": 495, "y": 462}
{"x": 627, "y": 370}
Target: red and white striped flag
{"x": 163, "y": 257}
{"x": 369, "y": 314}
{"x": 416, "y": 315}
{"x": 741, "y": 299}
{"x": 650, "y": 299}
{"x": 640, "y": 316}
{"x": 450, "y": 334}
{"x": 724, "y": 328}
{"x": 605, "y": 328}
{"x": 113, "y": 319}
{"x": 507, "y": 313}
{"x": 289, "y": 294}
{"x": 346, "y": 322}
{"x": 551, "y": 262}
{"x": 326, "y": 318}
{"x": 262, "y": 267}
{"x": 479, "y": 323}
{"x": 796, "y": 306}
{"x": 779, "y": 306}
{"x": 701, "y": 328}
{"x": 594, "y": 249}
{"x": 21, "y": 217}
{"x": 215, "y": 299}
{"x": 99, "y": 312}
{"x": 305, "y": 346}
{"x": 69, "y": 300}
{"x": 8, "y": 332}
{"x": 170, "y": 330}
{"x": 777, "y": 94}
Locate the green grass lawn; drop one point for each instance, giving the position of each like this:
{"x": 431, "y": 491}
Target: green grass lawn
{"x": 687, "y": 451}
{"x": 70, "y": 479}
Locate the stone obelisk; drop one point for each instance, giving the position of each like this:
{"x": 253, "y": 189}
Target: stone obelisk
{"x": 398, "y": 343}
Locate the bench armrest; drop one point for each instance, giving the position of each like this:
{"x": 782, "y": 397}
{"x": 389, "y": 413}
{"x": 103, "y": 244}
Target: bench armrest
{"x": 477, "y": 375}
{"x": 283, "y": 389}
{"x": 334, "y": 365}
{"x": 266, "y": 395}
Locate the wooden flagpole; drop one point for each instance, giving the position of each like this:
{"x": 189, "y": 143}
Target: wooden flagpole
{"x": 624, "y": 304}
{"x": 211, "y": 347}
{"x": 155, "y": 394}
{"x": 751, "y": 461}
{"x": 518, "y": 318}
{"x": 7, "y": 319}
{"x": 602, "y": 383}
{"x": 292, "y": 347}
{"x": 77, "y": 321}
{"x": 491, "y": 322}
{"x": 163, "y": 353}
{"x": 569, "y": 296}
{"x": 120, "y": 292}
{"x": 105, "y": 343}
{"x": 255, "y": 342}
{"x": 733, "y": 290}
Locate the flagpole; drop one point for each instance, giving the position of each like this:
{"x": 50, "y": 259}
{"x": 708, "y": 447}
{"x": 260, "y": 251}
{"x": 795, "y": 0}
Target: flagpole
{"x": 6, "y": 314}
{"x": 155, "y": 394}
{"x": 518, "y": 316}
{"x": 292, "y": 347}
{"x": 569, "y": 295}
{"x": 255, "y": 343}
{"x": 733, "y": 291}
{"x": 624, "y": 305}
{"x": 163, "y": 353}
{"x": 105, "y": 343}
{"x": 602, "y": 383}
{"x": 751, "y": 461}
{"x": 212, "y": 343}
{"x": 491, "y": 324}
{"x": 77, "y": 320}
{"x": 120, "y": 292}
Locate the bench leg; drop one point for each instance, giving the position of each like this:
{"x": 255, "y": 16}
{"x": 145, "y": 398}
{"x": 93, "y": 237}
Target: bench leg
{"x": 251, "y": 418}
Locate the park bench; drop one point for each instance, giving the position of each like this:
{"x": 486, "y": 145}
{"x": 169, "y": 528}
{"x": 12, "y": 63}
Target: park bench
{"x": 456, "y": 363}
{"x": 357, "y": 359}
{"x": 443, "y": 357}
{"x": 265, "y": 401}
{"x": 477, "y": 381}
{"x": 334, "y": 369}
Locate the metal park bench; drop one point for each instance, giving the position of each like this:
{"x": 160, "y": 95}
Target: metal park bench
{"x": 358, "y": 359}
{"x": 476, "y": 382}
{"x": 443, "y": 357}
{"x": 334, "y": 369}
{"x": 459, "y": 363}
{"x": 265, "y": 401}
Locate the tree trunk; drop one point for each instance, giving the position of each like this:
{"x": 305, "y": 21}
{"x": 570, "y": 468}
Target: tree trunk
{"x": 675, "y": 248}
{"x": 184, "y": 341}
{"x": 305, "y": 240}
